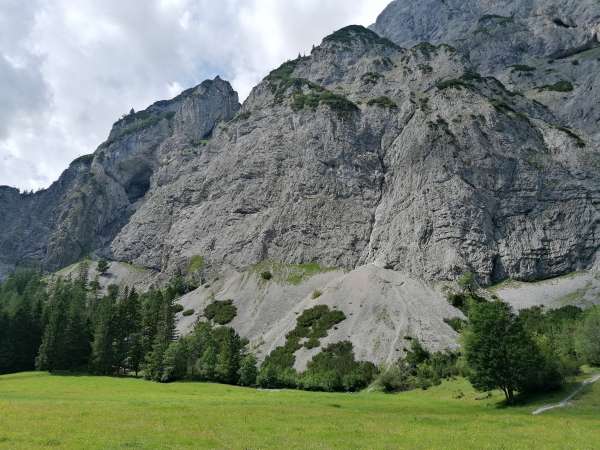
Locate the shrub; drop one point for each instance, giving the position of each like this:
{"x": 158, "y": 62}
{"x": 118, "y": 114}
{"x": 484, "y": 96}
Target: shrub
{"x": 578, "y": 140}
{"x": 416, "y": 355}
{"x": 588, "y": 337}
{"x": 188, "y": 312}
{"x": 335, "y": 369}
{"x": 560, "y": 86}
{"x": 313, "y": 342}
{"x": 354, "y": 33}
{"x": 467, "y": 282}
{"x": 195, "y": 264}
{"x": 316, "y": 294}
{"x": 221, "y": 312}
{"x": 383, "y": 102}
{"x": 178, "y": 308}
{"x": 371, "y": 77}
{"x": 522, "y": 68}
{"x": 453, "y": 83}
{"x": 312, "y": 325}
{"x": 396, "y": 378}
{"x": 318, "y": 97}
{"x": 266, "y": 275}
{"x": 273, "y": 377}
{"x": 174, "y": 364}
{"x": 248, "y": 371}
{"x": 456, "y": 323}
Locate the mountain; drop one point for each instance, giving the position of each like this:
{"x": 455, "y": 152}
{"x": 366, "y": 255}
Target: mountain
{"x": 94, "y": 198}
{"x": 545, "y": 49}
{"x": 387, "y": 163}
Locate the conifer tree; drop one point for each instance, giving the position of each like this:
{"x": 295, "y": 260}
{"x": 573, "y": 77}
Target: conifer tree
{"x": 77, "y": 332}
{"x": 51, "y": 355}
{"x": 103, "y": 358}
{"x": 165, "y": 334}
{"x": 6, "y": 350}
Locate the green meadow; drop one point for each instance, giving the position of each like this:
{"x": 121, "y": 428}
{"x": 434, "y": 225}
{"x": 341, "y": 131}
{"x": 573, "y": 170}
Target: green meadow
{"x": 38, "y": 410}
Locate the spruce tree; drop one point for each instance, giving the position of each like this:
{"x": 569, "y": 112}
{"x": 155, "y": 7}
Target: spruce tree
{"x": 228, "y": 357}
{"x": 248, "y": 370}
{"x": 51, "y": 355}
{"x": 77, "y": 332}
{"x": 6, "y": 349}
{"x": 165, "y": 334}
{"x": 207, "y": 363}
{"x": 102, "y": 349}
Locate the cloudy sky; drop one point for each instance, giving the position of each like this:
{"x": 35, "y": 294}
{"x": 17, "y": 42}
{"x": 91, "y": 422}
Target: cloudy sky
{"x": 70, "y": 68}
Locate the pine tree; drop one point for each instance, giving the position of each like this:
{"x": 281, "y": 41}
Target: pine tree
{"x": 128, "y": 326}
{"x": 102, "y": 266}
{"x": 135, "y": 353}
{"x": 207, "y": 363}
{"x": 103, "y": 359}
{"x": 150, "y": 318}
{"x": 6, "y": 348}
{"x": 77, "y": 332}
{"x": 165, "y": 334}
{"x": 228, "y": 358}
{"x": 199, "y": 340}
{"x": 175, "y": 361}
{"x": 83, "y": 272}
{"x": 248, "y": 370}
{"x": 51, "y": 355}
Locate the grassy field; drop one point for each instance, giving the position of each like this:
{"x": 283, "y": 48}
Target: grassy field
{"x": 38, "y": 410}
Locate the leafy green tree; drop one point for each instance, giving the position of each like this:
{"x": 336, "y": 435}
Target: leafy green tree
{"x": 175, "y": 361}
{"x": 588, "y": 337}
{"x": 335, "y": 369}
{"x": 396, "y": 378}
{"x": 499, "y": 353}
{"x": 198, "y": 341}
{"x": 416, "y": 355}
{"x": 468, "y": 282}
{"x": 248, "y": 370}
{"x": 207, "y": 363}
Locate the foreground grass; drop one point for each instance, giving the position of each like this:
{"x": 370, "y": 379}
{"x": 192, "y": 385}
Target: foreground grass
{"x": 38, "y": 410}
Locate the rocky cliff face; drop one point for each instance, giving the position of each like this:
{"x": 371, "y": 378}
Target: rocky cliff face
{"x": 365, "y": 152}
{"x": 82, "y": 212}
{"x": 546, "y": 49}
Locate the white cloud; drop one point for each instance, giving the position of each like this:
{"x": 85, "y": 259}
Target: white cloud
{"x": 70, "y": 68}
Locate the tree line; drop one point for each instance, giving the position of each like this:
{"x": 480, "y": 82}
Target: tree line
{"x": 68, "y": 325}
{"x": 58, "y": 324}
